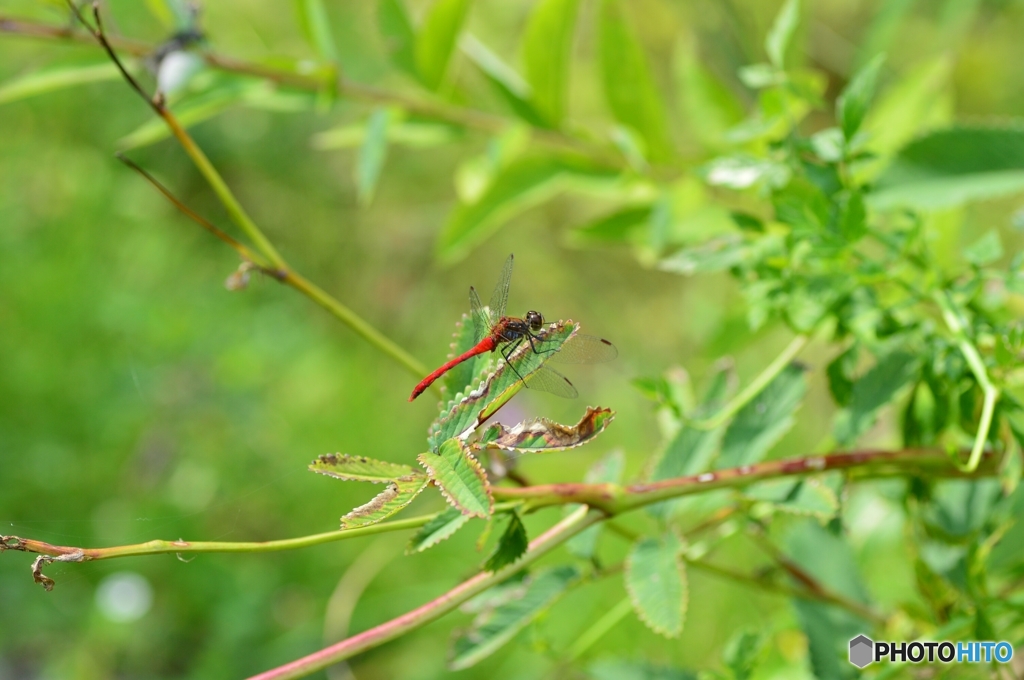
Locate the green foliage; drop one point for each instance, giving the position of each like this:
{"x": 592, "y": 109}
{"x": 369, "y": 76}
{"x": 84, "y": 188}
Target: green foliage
{"x": 764, "y": 420}
{"x": 656, "y": 582}
{"x": 371, "y": 154}
{"x": 494, "y": 627}
{"x": 436, "y": 530}
{"x": 436, "y": 39}
{"x": 316, "y": 27}
{"x": 547, "y": 51}
{"x": 511, "y": 545}
{"x": 608, "y": 470}
{"x": 55, "y": 79}
{"x": 460, "y": 477}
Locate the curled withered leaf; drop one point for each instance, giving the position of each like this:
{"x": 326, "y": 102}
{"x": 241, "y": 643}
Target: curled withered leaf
{"x": 37, "y": 573}
{"x": 542, "y": 435}
{"x": 359, "y": 468}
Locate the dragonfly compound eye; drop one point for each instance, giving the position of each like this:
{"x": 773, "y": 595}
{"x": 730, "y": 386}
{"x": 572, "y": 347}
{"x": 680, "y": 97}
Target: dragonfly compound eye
{"x": 535, "y": 320}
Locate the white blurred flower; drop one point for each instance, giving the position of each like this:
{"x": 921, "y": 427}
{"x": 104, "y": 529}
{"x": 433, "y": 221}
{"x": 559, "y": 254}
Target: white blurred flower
{"x": 124, "y": 596}
{"x": 176, "y": 70}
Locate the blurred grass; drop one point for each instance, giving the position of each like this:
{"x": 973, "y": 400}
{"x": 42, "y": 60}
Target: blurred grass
{"x": 142, "y": 400}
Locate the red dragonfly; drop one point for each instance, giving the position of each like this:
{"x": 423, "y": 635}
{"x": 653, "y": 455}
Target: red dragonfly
{"x": 493, "y": 331}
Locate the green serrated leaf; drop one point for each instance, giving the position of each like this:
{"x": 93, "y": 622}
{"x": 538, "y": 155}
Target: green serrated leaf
{"x": 359, "y": 468}
{"x": 398, "y": 494}
{"x": 952, "y": 167}
{"x": 608, "y": 470}
{"x": 462, "y": 377}
{"x": 852, "y": 103}
{"x": 371, "y": 154}
{"x": 399, "y": 36}
{"x": 436, "y": 530}
{"x": 437, "y": 38}
{"x": 495, "y": 627}
{"x": 547, "y": 52}
{"x": 763, "y": 421}
{"x": 777, "y": 41}
{"x": 482, "y": 402}
{"x": 460, "y": 477}
{"x": 316, "y": 26}
{"x": 629, "y": 89}
{"x": 511, "y": 546}
{"x": 872, "y": 391}
{"x": 544, "y": 436}
{"x": 55, "y": 79}
{"x": 656, "y": 582}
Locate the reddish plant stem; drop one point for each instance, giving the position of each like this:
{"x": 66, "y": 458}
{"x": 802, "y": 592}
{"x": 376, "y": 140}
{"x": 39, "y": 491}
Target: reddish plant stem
{"x": 553, "y": 537}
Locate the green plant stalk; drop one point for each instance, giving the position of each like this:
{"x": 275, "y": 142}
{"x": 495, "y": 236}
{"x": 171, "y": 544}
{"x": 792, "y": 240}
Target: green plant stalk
{"x": 576, "y": 522}
{"x": 977, "y": 366}
{"x": 754, "y": 388}
{"x": 277, "y": 265}
{"x": 598, "y": 630}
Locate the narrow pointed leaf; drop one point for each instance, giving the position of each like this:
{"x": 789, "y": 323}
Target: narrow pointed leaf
{"x": 872, "y": 391}
{"x": 543, "y": 436}
{"x": 316, "y": 26}
{"x": 608, "y": 470}
{"x": 55, "y": 79}
{"x": 951, "y": 167}
{"x": 656, "y": 582}
{"x": 521, "y": 185}
{"x": 436, "y": 530}
{"x": 460, "y": 477}
{"x": 484, "y": 401}
{"x": 190, "y": 112}
{"x": 547, "y": 53}
{"x": 763, "y": 421}
{"x": 781, "y": 33}
{"x": 399, "y": 36}
{"x": 629, "y": 89}
{"x": 371, "y": 155}
{"x": 359, "y": 468}
{"x": 437, "y": 38}
{"x": 496, "y": 627}
{"x": 398, "y": 494}
{"x": 621, "y": 226}
{"x": 852, "y": 104}
{"x": 510, "y": 85}
{"x": 800, "y": 497}
{"x": 511, "y": 546}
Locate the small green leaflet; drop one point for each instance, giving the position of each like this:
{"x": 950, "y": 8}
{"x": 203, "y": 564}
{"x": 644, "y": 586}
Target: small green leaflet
{"x": 656, "y": 582}
{"x": 493, "y": 628}
{"x": 55, "y": 79}
{"x": 623, "y": 669}
{"x": 781, "y": 35}
{"x": 436, "y": 40}
{"x": 741, "y": 654}
{"x": 511, "y": 546}
{"x": 460, "y": 477}
{"x": 500, "y": 386}
{"x": 371, "y": 155}
{"x": 436, "y": 530}
{"x": 403, "y": 485}
{"x": 316, "y": 26}
{"x": 509, "y": 84}
{"x": 763, "y": 421}
{"x": 629, "y": 88}
{"x": 621, "y": 226}
{"x": 608, "y": 470}
{"x": 800, "y": 497}
{"x": 398, "y": 494}
{"x": 872, "y": 391}
{"x": 852, "y": 104}
{"x": 544, "y": 436}
{"x": 547, "y": 53}
{"x": 399, "y": 37}
{"x": 359, "y": 468}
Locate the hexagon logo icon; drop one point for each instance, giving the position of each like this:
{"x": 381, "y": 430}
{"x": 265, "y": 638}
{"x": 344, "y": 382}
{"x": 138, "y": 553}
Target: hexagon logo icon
{"x": 861, "y": 651}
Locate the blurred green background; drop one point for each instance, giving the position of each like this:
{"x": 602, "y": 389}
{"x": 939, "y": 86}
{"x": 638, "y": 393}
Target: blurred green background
{"x": 141, "y": 399}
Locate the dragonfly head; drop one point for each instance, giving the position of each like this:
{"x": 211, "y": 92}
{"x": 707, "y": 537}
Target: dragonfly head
{"x": 535, "y": 320}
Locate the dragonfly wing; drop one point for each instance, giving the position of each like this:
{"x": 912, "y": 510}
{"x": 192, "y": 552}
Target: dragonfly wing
{"x": 585, "y": 349}
{"x": 481, "y": 319}
{"x": 549, "y": 380}
{"x": 500, "y": 297}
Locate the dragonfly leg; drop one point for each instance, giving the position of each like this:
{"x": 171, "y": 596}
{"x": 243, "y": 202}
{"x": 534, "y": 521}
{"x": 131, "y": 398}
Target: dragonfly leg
{"x": 507, "y": 351}
{"x": 532, "y": 337}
